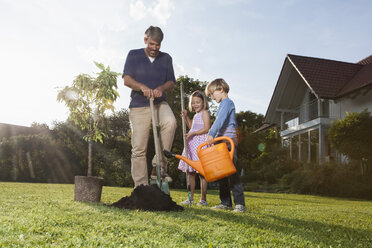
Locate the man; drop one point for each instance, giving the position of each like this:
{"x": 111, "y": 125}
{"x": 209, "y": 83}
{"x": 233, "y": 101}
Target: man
{"x": 149, "y": 73}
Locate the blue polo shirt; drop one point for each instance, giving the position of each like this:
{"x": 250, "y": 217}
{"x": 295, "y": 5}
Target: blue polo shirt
{"x": 140, "y": 68}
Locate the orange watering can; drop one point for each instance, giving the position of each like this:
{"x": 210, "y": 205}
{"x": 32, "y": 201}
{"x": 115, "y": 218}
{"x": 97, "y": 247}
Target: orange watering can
{"x": 215, "y": 162}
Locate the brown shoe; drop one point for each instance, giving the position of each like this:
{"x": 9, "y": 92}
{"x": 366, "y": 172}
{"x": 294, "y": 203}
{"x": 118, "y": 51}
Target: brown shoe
{"x": 153, "y": 173}
{"x": 166, "y": 176}
{"x": 163, "y": 175}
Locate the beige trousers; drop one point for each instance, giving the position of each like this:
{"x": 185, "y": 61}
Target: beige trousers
{"x": 140, "y": 120}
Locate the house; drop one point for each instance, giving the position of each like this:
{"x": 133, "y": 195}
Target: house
{"x": 309, "y": 95}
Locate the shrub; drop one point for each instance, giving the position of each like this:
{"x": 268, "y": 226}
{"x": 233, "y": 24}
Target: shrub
{"x": 329, "y": 179}
{"x": 352, "y": 136}
{"x": 271, "y": 166}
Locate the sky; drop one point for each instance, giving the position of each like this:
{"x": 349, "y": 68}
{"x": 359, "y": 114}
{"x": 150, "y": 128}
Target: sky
{"x": 45, "y": 44}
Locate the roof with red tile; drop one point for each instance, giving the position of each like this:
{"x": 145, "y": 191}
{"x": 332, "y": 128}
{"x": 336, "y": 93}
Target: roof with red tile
{"x": 331, "y": 79}
{"x": 366, "y": 61}
{"x": 360, "y": 80}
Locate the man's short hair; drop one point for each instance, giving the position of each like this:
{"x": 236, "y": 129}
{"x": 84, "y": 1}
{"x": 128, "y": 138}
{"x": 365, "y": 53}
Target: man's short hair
{"x": 155, "y": 33}
{"x": 217, "y": 84}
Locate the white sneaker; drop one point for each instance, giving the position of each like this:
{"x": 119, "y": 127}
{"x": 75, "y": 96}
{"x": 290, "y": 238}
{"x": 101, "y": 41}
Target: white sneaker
{"x": 202, "y": 203}
{"x": 221, "y": 206}
{"x": 187, "y": 202}
{"x": 239, "y": 209}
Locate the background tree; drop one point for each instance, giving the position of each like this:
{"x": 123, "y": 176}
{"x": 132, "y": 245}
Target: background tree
{"x": 248, "y": 141}
{"x": 58, "y": 154}
{"x": 70, "y": 139}
{"x": 113, "y": 157}
{"x": 88, "y": 99}
{"x": 352, "y": 136}
{"x": 34, "y": 158}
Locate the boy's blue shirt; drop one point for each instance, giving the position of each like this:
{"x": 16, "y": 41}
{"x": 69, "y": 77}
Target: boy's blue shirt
{"x": 225, "y": 119}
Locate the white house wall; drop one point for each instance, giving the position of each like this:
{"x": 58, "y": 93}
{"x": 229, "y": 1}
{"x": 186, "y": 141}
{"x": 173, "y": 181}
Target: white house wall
{"x": 357, "y": 104}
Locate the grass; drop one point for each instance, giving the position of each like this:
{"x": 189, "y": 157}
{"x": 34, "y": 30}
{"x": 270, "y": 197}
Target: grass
{"x": 45, "y": 215}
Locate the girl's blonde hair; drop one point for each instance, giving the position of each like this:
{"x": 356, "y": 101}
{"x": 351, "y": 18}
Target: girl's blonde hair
{"x": 217, "y": 84}
{"x": 202, "y": 96}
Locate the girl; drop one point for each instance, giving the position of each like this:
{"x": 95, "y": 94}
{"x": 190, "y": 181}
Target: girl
{"x": 197, "y": 134}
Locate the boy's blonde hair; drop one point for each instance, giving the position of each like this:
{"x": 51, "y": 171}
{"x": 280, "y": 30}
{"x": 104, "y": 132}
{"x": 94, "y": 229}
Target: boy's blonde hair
{"x": 202, "y": 96}
{"x": 217, "y": 84}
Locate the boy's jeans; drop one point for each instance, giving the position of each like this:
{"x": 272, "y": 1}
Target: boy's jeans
{"x": 236, "y": 186}
{"x": 140, "y": 120}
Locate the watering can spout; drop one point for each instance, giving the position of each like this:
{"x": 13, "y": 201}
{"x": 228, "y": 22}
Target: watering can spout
{"x": 194, "y": 164}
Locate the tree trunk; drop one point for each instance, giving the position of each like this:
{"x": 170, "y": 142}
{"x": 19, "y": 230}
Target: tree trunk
{"x": 90, "y": 158}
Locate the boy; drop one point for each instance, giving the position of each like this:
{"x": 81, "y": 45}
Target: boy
{"x": 225, "y": 125}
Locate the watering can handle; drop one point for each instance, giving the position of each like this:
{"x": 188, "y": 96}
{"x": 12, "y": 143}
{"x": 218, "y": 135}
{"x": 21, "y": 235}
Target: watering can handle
{"x": 218, "y": 139}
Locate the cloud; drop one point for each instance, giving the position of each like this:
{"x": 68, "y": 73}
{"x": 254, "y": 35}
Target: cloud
{"x": 248, "y": 102}
{"x": 232, "y": 2}
{"x": 179, "y": 70}
{"x": 254, "y": 15}
{"x": 196, "y": 72}
{"x": 109, "y": 50}
{"x": 160, "y": 10}
{"x": 137, "y": 10}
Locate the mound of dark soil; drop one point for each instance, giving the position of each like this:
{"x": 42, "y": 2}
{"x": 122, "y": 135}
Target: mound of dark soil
{"x": 148, "y": 198}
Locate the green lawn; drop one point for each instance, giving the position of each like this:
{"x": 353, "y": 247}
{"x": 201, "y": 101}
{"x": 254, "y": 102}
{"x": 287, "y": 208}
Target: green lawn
{"x": 45, "y": 215}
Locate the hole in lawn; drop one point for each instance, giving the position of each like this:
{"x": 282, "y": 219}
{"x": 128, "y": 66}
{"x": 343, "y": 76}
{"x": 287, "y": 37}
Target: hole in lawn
{"x": 148, "y": 198}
